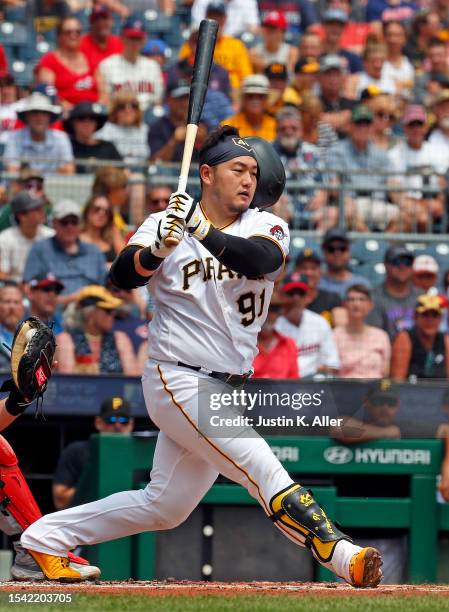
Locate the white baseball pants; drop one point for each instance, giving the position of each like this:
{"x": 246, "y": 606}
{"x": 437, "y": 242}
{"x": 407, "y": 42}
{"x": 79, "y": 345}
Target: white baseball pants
{"x": 185, "y": 466}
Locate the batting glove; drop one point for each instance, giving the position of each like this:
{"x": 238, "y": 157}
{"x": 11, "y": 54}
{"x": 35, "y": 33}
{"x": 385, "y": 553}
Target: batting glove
{"x": 180, "y": 205}
{"x": 197, "y": 224}
{"x": 167, "y": 227}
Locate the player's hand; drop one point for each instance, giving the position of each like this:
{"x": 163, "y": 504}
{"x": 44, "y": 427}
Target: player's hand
{"x": 168, "y": 226}
{"x": 198, "y": 225}
{"x": 180, "y": 206}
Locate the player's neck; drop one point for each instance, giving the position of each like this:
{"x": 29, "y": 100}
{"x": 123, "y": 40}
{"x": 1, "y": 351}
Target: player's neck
{"x": 218, "y": 217}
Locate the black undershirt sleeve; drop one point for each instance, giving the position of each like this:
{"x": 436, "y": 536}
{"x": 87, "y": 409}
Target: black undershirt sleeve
{"x": 251, "y": 257}
{"x": 123, "y": 271}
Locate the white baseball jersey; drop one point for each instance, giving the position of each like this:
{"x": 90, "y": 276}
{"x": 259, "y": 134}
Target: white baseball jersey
{"x": 143, "y": 78}
{"x": 205, "y": 314}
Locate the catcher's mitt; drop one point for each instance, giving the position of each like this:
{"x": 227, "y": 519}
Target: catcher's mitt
{"x": 32, "y": 352}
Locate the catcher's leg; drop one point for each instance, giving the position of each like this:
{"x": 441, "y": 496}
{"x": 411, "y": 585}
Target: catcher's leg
{"x": 18, "y": 510}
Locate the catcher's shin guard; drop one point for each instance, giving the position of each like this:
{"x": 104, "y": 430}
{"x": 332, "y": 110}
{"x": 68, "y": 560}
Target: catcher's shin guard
{"x": 295, "y": 508}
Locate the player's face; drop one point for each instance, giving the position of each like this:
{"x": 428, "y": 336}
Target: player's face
{"x": 312, "y": 270}
{"x": 358, "y": 305}
{"x": 233, "y": 184}
{"x": 399, "y": 270}
{"x": 337, "y": 255}
{"x": 428, "y": 323}
{"x": 44, "y": 300}
{"x": 104, "y": 319}
{"x": 11, "y": 307}
{"x": 382, "y": 410}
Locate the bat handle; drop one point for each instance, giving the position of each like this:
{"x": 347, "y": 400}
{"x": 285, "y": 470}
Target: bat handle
{"x": 182, "y": 182}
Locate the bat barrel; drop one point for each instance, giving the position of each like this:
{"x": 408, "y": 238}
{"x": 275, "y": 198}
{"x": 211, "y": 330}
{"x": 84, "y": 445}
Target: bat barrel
{"x": 201, "y": 71}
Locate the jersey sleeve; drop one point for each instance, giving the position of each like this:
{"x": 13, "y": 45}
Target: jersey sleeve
{"x": 272, "y": 228}
{"x": 146, "y": 233}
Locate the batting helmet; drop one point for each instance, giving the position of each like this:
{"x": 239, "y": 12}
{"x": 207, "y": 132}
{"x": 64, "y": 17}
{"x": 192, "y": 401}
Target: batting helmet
{"x": 271, "y": 181}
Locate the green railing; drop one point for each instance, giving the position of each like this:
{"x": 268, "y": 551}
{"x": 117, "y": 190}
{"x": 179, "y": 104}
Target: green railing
{"x": 114, "y": 460}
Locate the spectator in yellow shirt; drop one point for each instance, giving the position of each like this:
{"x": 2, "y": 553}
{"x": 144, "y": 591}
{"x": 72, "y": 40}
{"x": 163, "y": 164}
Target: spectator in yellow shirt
{"x": 253, "y": 119}
{"x": 230, "y": 52}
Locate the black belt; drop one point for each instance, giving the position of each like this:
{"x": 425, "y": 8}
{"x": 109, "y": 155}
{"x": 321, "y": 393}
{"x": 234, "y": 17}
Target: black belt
{"x": 235, "y": 380}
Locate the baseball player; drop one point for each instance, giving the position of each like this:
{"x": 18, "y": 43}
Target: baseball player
{"x": 212, "y": 293}
{"x": 18, "y": 506}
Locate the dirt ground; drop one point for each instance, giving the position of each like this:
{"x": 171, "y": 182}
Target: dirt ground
{"x": 187, "y": 588}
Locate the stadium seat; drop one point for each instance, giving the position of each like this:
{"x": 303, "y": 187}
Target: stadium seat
{"x": 368, "y": 250}
{"x": 23, "y": 72}
{"x": 76, "y": 187}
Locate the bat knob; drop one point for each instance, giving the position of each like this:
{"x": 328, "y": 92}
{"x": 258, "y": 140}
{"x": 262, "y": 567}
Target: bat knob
{"x": 171, "y": 241}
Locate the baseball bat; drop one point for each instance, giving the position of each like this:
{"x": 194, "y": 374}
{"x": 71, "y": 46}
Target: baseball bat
{"x": 201, "y": 72}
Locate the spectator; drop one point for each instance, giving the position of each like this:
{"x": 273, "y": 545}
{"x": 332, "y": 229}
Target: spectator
{"x": 157, "y": 198}
{"x": 310, "y": 46}
{"x": 167, "y": 134}
{"x": 241, "y": 15}
{"x": 365, "y": 205}
{"x": 95, "y": 348}
{"x": 325, "y": 303}
{"x": 130, "y": 318}
{"x": 277, "y": 75}
{"x": 183, "y": 69}
{"x": 84, "y": 120}
{"x": 10, "y": 104}
{"x": 113, "y": 184}
{"x": 305, "y": 80}
{"x": 98, "y": 227}
{"x": 33, "y": 183}
{"x": 336, "y": 107}
{"x": 115, "y": 417}
{"x": 300, "y": 14}
{"x": 130, "y": 70}
{"x": 43, "y": 294}
{"x": 337, "y": 254}
{"x": 422, "y": 351}
{"x": 302, "y": 161}
{"x": 273, "y": 48}
{"x": 4, "y": 68}
{"x": 253, "y": 119}
{"x": 425, "y": 273}
{"x": 278, "y": 354}
{"x": 16, "y": 241}
{"x": 99, "y": 42}
{"x": 12, "y": 311}
{"x": 424, "y": 27}
{"x": 441, "y": 7}
{"x": 67, "y": 68}
{"x": 73, "y": 261}
{"x": 48, "y": 14}
{"x": 439, "y": 138}
{"x": 311, "y": 332}
{"x": 384, "y": 111}
{"x": 354, "y": 34}
{"x": 397, "y": 66}
{"x": 334, "y": 23}
{"x": 315, "y": 130}
{"x": 364, "y": 350}
{"x": 395, "y": 298}
{"x": 230, "y": 52}
{"x": 443, "y": 432}
{"x": 374, "y": 57}
{"x": 125, "y": 128}
{"x": 42, "y": 148}
{"x": 437, "y": 69}
{"x": 388, "y": 10}
{"x": 420, "y": 161}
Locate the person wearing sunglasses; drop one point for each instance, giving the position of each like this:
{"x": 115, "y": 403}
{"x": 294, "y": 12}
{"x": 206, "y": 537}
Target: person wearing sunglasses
{"x": 98, "y": 227}
{"x": 84, "y": 120}
{"x": 67, "y": 68}
{"x": 422, "y": 351}
{"x": 75, "y": 262}
{"x": 337, "y": 277}
{"x": 157, "y": 198}
{"x": 114, "y": 417}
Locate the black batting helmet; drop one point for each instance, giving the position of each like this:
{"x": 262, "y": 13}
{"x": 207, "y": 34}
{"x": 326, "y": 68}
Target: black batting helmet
{"x": 271, "y": 176}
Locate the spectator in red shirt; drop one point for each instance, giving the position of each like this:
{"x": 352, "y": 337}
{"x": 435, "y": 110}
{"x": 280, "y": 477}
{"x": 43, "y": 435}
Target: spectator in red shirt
{"x": 278, "y": 354}
{"x": 99, "y": 43}
{"x": 67, "y": 67}
{"x": 4, "y": 70}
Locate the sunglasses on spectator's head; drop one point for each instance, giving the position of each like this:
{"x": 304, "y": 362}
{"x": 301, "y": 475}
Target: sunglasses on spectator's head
{"x": 336, "y": 248}
{"x": 123, "y": 105}
{"x": 69, "y": 220}
{"x": 383, "y": 401}
{"x": 111, "y": 420}
{"x": 401, "y": 261}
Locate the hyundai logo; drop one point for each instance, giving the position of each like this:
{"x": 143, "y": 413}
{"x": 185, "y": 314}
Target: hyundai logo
{"x": 338, "y": 455}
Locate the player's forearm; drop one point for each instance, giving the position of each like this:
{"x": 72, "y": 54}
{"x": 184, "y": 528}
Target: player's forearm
{"x": 247, "y": 256}
{"x": 6, "y": 418}
{"x": 133, "y": 267}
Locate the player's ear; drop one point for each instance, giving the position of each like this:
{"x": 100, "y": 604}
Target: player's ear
{"x": 206, "y": 174}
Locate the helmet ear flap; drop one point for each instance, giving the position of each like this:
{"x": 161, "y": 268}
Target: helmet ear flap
{"x": 271, "y": 177}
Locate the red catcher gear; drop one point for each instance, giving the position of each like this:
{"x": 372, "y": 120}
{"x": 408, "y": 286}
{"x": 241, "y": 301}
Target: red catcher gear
{"x": 18, "y": 508}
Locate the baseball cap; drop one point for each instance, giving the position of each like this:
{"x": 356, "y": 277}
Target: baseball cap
{"x": 370, "y": 92}
{"x": 133, "y": 28}
{"x": 155, "y": 46}
{"x": 115, "y": 406}
{"x": 99, "y": 11}
{"x": 383, "y": 389}
{"x": 46, "y": 280}
{"x": 179, "y": 88}
{"x": 396, "y": 251}
{"x": 256, "y": 84}
{"x": 414, "y": 112}
{"x": 65, "y": 208}
{"x": 295, "y": 281}
{"x": 428, "y": 303}
{"x": 335, "y": 233}
{"x": 276, "y": 71}
{"x": 308, "y": 254}
{"x": 425, "y": 263}
{"x": 23, "y": 202}
{"x": 216, "y": 6}
{"x": 307, "y": 65}
{"x": 97, "y": 295}
{"x": 275, "y": 19}
{"x": 335, "y": 15}
{"x": 332, "y": 61}
{"x": 362, "y": 113}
